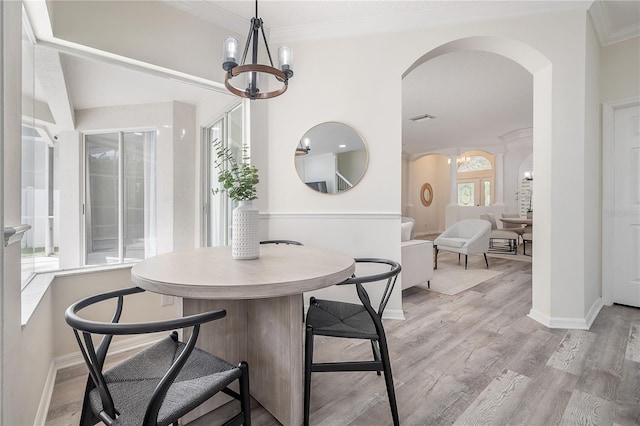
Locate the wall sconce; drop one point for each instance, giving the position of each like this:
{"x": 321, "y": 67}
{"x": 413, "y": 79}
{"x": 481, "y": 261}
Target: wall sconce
{"x": 528, "y": 175}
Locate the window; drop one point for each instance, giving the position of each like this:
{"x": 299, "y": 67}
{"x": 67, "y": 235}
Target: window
{"x": 39, "y": 192}
{"x": 120, "y": 197}
{"x": 218, "y": 210}
{"x": 39, "y": 207}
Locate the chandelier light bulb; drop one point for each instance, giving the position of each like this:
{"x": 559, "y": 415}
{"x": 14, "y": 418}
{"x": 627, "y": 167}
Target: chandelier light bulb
{"x": 230, "y": 53}
{"x": 285, "y": 60}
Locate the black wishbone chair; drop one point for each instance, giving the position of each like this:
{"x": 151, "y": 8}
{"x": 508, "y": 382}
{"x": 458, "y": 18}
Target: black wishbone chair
{"x": 287, "y": 242}
{"x": 354, "y": 321}
{"x": 162, "y": 382}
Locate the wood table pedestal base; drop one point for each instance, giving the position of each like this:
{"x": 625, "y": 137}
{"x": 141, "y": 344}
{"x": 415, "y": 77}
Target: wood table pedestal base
{"x": 268, "y": 334}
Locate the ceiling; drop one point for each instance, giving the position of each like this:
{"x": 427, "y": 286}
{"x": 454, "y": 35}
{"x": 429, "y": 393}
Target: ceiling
{"x": 476, "y": 97}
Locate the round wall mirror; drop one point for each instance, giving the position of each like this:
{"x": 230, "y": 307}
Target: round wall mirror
{"x": 331, "y": 158}
{"x": 426, "y": 194}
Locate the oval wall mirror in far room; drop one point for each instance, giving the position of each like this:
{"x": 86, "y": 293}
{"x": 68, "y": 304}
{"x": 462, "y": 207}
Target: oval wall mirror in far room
{"x": 426, "y": 194}
{"x": 331, "y": 158}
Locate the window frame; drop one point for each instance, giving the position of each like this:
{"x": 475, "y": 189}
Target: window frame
{"x": 226, "y": 205}
{"x": 121, "y": 193}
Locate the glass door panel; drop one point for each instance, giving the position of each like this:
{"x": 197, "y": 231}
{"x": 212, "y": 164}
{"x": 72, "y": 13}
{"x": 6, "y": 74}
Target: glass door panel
{"x": 216, "y": 229}
{"x": 139, "y": 195}
{"x": 486, "y": 192}
{"x": 101, "y": 195}
{"x": 219, "y": 210}
{"x": 466, "y": 194}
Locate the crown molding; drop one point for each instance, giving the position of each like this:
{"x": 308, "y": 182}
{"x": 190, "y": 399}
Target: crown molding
{"x": 442, "y": 13}
{"x": 517, "y": 135}
{"x": 214, "y": 14}
{"x": 601, "y": 18}
{"x": 400, "y": 17}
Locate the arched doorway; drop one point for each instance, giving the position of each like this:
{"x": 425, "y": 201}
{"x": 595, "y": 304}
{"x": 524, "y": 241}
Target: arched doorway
{"x": 540, "y": 68}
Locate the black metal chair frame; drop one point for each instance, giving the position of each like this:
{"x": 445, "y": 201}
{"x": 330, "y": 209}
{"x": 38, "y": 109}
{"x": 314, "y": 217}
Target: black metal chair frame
{"x": 511, "y": 245}
{"x": 381, "y": 361}
{"x": 524, "y": 245}
{"x": 95, "y": 358}
{"x": 466, "y": 258}
{"x": 288, "y": 242}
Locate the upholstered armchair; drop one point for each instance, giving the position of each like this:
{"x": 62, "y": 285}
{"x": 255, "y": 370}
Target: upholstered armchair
{"x": 417, "y": 257}
{"x": 469, "y": 236}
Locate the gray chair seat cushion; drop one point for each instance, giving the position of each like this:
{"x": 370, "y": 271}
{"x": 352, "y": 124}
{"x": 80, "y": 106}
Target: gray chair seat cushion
{"x": 451, "y": 241}
{"x": 504, "y": 234}
{"x": 132, "y": 382}
{"x": 340, "y": 319}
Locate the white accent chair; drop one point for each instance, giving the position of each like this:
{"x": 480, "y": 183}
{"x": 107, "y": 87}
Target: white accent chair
{"x": 469, "y": 236}
{"x": 417, "y": 258}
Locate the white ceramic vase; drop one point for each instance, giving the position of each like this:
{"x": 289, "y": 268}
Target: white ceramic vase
{"x": 245, "y": 241}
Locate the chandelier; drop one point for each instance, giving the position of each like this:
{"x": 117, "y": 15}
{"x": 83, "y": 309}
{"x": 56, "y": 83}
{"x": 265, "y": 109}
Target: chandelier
{"x": 303, "y": 147}
{"x": 253, "y": 70}
{"x": 463, "y": 161}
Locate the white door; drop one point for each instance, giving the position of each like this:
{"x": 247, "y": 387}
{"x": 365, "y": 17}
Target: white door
{"x": 626, "y": 213}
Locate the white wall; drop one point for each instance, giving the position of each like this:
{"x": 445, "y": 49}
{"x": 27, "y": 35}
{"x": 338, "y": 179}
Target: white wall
{"x": 592, "y": 171}
{"x": 619, "y": 70}
{"x": 67, "y": 289}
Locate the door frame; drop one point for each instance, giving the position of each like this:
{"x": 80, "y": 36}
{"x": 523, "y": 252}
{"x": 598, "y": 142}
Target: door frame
{"x": 608, "y": 186}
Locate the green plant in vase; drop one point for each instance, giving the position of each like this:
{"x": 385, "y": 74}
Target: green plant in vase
{"x": 238, "y": 178}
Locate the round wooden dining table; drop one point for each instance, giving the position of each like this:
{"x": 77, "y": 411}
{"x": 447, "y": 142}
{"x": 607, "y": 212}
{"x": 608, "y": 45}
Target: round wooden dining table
{"x": 264, "y": 303}
{"x": 517, "y": 220}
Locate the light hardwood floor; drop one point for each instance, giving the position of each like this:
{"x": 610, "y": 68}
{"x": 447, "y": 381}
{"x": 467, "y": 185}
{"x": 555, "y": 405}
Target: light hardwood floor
{"x": 471, "y": 358}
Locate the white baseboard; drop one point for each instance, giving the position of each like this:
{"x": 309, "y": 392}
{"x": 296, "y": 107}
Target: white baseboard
{"x": 47, "y": 392}
{"x": 75, "y": 358}
{"x": 394, "y": 314}
{"x": 568, "y": 323}
{"x": 593, "y": 312}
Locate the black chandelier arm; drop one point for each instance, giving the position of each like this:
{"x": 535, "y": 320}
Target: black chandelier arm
{"x": 266, "y": 45}
{"x": 246, "y": 45}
